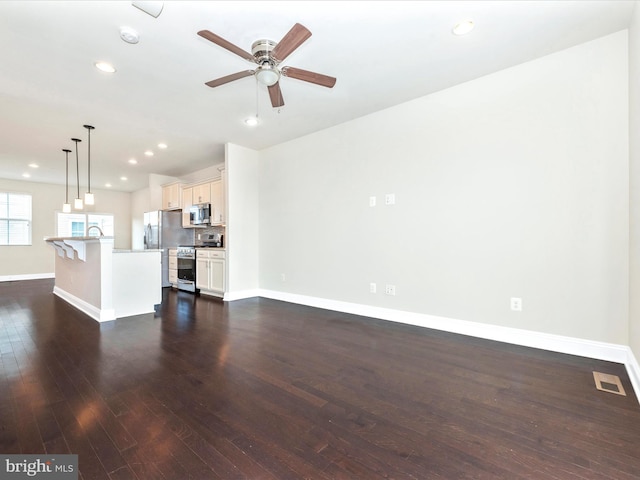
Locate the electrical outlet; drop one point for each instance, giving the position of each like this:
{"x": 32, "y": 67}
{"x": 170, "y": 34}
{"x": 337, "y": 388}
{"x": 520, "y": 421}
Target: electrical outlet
{"x": 372, "y": 201}
{"x": 516, "y": 304}
{"x": 390, "y": 199}
{"x": 390, "y": 289}
{"x": 372, "y": 288}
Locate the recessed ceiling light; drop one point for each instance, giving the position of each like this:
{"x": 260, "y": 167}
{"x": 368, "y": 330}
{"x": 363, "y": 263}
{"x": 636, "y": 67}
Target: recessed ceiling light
{"x": 105, "y": 67}
{"x": 129, "y": 35}
{"x": 251, "y": 121}
{"x": 108, "y": 185}
{"x": 34, "y": 165}
{"x": 133, "y": 161}
{"x": 149, "y": 153}
{"x": 162, "y": 146}
{"x": 26, "y": 175}
{"x": 463, "y": 27}
{"x": 124, "y": 179}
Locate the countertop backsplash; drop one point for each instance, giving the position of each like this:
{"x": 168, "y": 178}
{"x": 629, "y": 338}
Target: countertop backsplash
{"x": 203, "y": 233}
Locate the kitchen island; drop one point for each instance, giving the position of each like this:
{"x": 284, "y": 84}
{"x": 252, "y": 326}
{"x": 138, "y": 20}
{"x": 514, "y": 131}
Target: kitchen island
{"x": 104, "y": 283}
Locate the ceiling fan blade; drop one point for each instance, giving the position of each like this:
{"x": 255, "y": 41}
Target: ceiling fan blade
{"x": 276, "y": 95}
{"x": 212, "y": 37}
{"x": 229, "y": 78}
{"x": 307, "y": 76}
{"x": 292, "y": 40}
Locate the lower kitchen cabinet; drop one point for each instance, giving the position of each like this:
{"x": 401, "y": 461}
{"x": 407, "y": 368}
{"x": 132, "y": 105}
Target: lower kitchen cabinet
{"x": 210, "y": 271}
{"x": 173, "y": 267}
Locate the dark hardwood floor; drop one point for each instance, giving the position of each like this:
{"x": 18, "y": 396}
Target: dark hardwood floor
{"x": 260, "y": 389}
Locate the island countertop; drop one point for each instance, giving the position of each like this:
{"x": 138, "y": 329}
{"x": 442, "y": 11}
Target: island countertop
{"x": 147, "y": 250}
{"x": 77, "y": 239}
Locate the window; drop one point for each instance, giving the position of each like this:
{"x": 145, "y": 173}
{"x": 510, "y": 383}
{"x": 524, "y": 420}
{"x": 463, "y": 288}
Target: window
{"x": 15, "y": 219}
{"x": 76, "y": 224}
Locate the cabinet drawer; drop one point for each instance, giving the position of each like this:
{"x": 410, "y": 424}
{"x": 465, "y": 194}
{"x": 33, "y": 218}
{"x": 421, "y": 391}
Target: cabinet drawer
{"x": 209, "y": 253}
{"x": 173, "y": 263}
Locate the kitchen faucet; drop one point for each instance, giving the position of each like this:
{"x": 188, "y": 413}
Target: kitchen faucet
{"x": 95, "y": 226}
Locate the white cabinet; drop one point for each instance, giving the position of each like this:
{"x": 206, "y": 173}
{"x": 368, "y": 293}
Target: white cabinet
{"x": 202, "y": 193}
{"x": 173, "y": 267}
{"x": 171, "y": 197}
{"x": 187, "y": 195}
{"x": 210, "y": 192}
{"x": 217, "y": 203}
{"x": 210, "y": 271}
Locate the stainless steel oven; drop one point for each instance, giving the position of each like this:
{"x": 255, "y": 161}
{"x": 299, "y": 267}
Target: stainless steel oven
{"x": 186, "y": 268}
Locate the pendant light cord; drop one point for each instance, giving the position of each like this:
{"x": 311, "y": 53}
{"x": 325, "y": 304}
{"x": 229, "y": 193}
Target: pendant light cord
{"x": 66, "y": 197}
{"x": 77, "y": 170}
{"x": 66, "y": 175}
{"x": 89, "y": 161}
{"x": 77, "y": 166}
{"x": 89, "y": 128}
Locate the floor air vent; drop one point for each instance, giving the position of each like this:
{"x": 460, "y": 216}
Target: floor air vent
{"x": 608, "y": 383}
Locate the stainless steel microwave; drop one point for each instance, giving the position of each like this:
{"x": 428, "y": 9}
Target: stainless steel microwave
{"x": 200, "y": 214}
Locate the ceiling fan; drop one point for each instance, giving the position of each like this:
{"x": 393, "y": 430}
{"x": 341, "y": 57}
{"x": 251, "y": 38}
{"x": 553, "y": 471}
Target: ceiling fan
{"x": 268, "y": 55}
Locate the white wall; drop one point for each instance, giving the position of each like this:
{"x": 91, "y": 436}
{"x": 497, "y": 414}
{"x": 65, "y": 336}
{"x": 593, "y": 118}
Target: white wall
{"x": 634, "y": 177}
{"x": 47, "y": 200}
{"x": 242, "y": 201}
{"x": 512, "y": 185}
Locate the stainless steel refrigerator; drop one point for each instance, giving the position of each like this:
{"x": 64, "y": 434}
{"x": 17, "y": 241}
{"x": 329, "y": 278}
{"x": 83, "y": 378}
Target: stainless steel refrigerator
{"x": 163, "y": 230}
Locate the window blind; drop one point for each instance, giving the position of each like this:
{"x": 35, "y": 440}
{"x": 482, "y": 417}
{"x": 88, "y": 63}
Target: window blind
{"x": 15, "y": 219}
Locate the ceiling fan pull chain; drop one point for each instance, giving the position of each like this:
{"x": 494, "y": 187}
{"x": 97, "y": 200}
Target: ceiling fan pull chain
{"x": 257, "y": 103}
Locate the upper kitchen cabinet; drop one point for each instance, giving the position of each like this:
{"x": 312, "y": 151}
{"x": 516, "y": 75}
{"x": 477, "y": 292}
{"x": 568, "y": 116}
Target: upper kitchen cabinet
{"x": 171, "y": 196}
{"x": 217, "y": 203}
{"x": 201, "y": 193}
{"x": 187, "y": 201}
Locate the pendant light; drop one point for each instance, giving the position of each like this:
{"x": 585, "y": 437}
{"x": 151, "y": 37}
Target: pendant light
{"x": 77, "y": 204}
{"x": 66, "y": 207}
{"x": 88, "y": 197}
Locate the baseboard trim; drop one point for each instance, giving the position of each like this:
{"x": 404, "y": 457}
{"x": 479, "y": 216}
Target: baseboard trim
{"x": 633, "y": 369}
{"x": 28, "y": 276}
{"x": 99, "y": 315}
{"x": 242, "y": 294}
{"x": 556, "y": 343}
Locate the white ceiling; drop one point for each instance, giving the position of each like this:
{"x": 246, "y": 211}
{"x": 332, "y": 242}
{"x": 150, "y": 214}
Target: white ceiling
{"x": 382, "y": 53}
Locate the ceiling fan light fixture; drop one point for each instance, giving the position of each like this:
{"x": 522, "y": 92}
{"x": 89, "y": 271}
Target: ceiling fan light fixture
{"x": 267, "y": 75}
{"x": 464, "y": 27}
